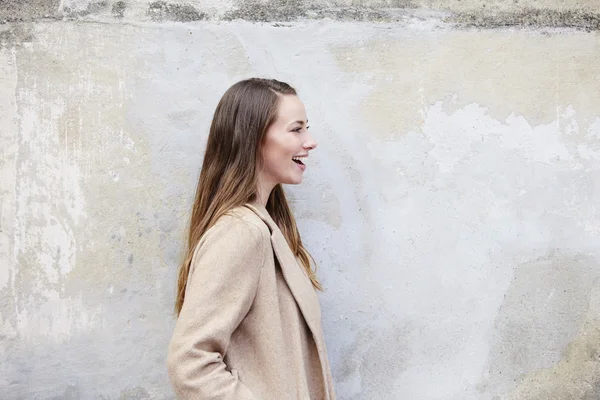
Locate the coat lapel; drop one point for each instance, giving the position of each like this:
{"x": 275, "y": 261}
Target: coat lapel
{"x": 302, "y": 290}
{"x": 294, "y": 275}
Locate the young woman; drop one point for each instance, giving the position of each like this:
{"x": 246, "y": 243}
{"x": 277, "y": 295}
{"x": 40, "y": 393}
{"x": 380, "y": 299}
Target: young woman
{"x": 249, "y": 321}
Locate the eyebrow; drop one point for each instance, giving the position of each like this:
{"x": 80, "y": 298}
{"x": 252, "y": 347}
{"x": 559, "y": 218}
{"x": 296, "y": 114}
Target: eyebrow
{"x": 299, "y": 122}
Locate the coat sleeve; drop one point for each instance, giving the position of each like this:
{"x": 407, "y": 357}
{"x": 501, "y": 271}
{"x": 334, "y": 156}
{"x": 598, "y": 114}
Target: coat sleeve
{"x": 221, "y": 287}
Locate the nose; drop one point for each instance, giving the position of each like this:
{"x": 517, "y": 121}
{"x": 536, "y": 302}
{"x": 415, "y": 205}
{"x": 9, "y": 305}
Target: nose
{"x": 309, "y": 142}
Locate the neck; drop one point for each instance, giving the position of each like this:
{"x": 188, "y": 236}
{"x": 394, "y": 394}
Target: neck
{"x": 264, "y": 191}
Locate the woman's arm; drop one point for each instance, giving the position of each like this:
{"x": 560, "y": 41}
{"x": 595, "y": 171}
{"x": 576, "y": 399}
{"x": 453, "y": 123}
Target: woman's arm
{"x": 223, "y": 281}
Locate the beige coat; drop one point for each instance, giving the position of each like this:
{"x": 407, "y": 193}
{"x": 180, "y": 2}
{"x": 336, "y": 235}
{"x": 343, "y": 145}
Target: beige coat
{"x": 250, "y": 326}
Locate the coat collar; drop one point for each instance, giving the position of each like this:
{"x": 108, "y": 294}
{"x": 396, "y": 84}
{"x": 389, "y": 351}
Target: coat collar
{"x": 293, "y": 273}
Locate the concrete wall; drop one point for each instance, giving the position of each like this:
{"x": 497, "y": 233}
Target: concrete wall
{"x": 452, "y": 205}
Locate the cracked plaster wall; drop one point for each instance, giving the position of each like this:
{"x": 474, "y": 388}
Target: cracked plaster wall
{"x": 452, "y": 204}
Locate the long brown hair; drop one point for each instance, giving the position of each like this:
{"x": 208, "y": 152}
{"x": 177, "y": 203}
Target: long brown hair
{"x": 228, "y": 178}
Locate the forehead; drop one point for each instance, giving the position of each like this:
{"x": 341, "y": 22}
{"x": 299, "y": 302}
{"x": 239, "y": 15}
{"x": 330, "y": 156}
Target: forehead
{"x": 290, "y": 109}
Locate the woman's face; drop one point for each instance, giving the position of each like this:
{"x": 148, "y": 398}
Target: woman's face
{"x": 287, "y": 144}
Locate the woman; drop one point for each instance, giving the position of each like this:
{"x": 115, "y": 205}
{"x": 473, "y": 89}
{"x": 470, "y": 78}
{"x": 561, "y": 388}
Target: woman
{"x": 249, "y": 322}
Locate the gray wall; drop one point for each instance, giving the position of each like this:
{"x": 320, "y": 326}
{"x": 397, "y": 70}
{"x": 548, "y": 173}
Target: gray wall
{"x": 452, "y": 204}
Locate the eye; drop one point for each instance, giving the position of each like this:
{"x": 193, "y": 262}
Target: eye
{"x": 298, "y": 129}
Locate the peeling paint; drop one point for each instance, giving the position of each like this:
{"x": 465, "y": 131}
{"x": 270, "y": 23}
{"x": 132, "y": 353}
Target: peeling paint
{"x": 291, "y": 10}
{"x": 16, "y": 35}
{"x": 161, "y": 11}
{"x": 8, "y": 157}
{"x": 405, "y": 79}
{"x": 91, "y": 8}
{"x": 118, "y": 9}
{"x": 582, "y": 15}
{"x": 529, "y": 18}
{"x": 9, "y": 153}
{"x": 26, "y": 10}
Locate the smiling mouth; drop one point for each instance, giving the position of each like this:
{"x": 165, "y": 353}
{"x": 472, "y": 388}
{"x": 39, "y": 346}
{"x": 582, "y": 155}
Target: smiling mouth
{"x": 297, "y": 160}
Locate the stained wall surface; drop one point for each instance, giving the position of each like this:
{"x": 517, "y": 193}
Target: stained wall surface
{"x": 453, "y": 203}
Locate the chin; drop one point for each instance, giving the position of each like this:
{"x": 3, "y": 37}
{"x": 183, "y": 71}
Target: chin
{"x": 294, "y": 180}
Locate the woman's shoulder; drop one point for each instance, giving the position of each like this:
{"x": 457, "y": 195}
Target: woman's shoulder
{"x": 237, "y": 229}
{"x": 241, "y": 221}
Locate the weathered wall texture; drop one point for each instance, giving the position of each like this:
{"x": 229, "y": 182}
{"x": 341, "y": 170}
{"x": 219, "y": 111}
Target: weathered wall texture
{"x": 452, "y": 205}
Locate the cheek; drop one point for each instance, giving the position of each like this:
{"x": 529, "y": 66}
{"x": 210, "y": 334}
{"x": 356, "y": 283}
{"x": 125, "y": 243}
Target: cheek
{"x": 276, "y": 160}
{"x": 278, "y": 152}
